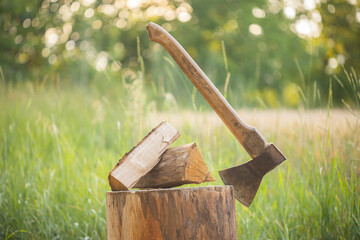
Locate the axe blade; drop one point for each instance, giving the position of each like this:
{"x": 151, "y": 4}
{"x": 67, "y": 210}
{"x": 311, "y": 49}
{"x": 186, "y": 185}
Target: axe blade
{"x": 246, "y": 178}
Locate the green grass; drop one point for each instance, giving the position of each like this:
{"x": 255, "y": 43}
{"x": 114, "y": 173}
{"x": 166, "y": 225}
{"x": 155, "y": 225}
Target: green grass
{"x": 57, "y": 145}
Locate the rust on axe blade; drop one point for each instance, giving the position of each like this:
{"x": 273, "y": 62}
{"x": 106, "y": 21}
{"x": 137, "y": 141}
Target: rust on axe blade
{"x": 246, "y": 178}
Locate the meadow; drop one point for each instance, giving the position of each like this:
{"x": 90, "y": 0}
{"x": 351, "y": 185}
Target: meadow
{"x": 58, "y": 143}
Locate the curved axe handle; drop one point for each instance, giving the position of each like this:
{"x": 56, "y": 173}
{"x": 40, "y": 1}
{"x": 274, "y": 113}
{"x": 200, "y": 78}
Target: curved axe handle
{"x": 247, "y": 135}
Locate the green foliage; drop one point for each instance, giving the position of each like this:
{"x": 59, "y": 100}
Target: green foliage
{"x": 266, "y": 45}
{"x": 260, "y": 65}
{"x": 341, "y": 31}
{"x": 19, "y": 41}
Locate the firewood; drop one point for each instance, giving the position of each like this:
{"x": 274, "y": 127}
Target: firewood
{"x": 177, "y": 166}
{"x": 142, "y": 158}
{"x": 177, "y": 213}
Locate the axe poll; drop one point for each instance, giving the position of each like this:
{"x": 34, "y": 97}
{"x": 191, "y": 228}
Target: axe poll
{"x": 245, "y": 178}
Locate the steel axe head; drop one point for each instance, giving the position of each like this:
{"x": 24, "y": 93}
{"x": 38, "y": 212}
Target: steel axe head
{"x": 246, "y": 178}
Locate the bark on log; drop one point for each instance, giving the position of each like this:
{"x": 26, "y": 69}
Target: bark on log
{"x": 181, "y": 213}
{"x": 177, "y": 166}
{"x": 142, "y": 158}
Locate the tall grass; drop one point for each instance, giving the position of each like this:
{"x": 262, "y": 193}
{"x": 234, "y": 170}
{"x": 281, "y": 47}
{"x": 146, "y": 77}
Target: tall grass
{"x": 58, "y": 143}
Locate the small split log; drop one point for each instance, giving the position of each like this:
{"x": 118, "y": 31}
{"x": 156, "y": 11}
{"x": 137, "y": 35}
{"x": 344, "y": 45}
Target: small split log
{"x": 142, "y": 158}
{"x": 177, "y": 213}
{"x": 177, "y": 166}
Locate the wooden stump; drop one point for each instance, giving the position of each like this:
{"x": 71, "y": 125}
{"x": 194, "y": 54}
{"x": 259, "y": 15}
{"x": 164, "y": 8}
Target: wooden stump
{"x": 180, "y": 213}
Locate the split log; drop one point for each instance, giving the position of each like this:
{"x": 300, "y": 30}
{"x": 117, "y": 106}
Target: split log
{"x": 177, "y": 166}
{"x": 180, "y": 213}
{"x": 142, "y": 158}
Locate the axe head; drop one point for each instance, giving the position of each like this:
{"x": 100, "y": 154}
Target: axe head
{"x": 246, "y": 178}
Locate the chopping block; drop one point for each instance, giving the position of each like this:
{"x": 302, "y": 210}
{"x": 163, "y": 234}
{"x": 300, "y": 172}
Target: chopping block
{"x": 176, "y": 213}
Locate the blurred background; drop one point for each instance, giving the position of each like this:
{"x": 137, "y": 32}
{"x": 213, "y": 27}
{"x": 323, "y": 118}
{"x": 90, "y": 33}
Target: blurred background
{"x": 81, "y": 84}
{"x": 264, "y": 53}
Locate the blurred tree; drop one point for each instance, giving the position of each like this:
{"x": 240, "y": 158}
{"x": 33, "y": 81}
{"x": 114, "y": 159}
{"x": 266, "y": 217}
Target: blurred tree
{"x": 341, "y": 34}
{"x": 270, "y": 46}
{"x": 332, "y": 31}
{"x": 340, "y": 39}
{"x": 52, "y": 36}
{"x": 20, "y": 42}
{"x": 261, "y": 49}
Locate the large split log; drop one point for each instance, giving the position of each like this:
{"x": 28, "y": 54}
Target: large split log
{"x": 177, "y": 166}
{"x": 142, "y": 158}
{"x": 181, "y": 213}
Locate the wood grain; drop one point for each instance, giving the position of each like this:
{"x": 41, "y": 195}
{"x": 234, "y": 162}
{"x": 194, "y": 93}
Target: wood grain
{"x": 143, "y": 157}
{"x": 177, "y": 166}
{"x": 181, "y": 213}
{"x": 247, "y": 135}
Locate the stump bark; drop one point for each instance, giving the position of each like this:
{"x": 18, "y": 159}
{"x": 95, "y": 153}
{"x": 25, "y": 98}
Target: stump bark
{"x": 181, "y": 213}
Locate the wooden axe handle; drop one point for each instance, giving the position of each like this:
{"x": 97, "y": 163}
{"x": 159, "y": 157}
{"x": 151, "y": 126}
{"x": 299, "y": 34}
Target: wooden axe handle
{"x": 247, "y": 135}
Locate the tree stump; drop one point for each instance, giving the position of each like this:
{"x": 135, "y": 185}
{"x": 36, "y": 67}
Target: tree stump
{"x": 178, "y": 213}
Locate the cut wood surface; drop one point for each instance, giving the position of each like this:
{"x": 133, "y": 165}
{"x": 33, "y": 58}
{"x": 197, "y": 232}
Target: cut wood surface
{"x": 142, "y": 158}
{"x": 181, "y": 213}
{"x": 177, "y": 166}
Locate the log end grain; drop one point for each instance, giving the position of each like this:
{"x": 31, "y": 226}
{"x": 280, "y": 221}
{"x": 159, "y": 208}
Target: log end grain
{"x": 196, "y": 170}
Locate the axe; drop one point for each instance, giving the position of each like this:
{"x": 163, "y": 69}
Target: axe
{"x": 245, "y": 178}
